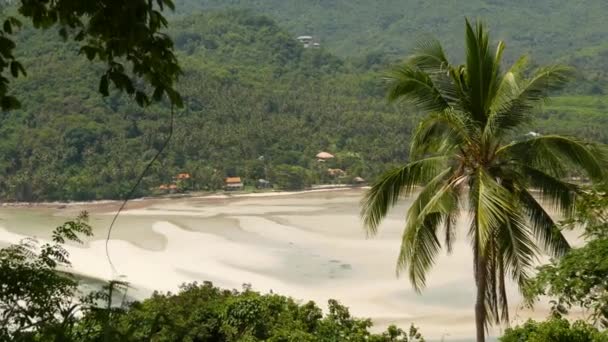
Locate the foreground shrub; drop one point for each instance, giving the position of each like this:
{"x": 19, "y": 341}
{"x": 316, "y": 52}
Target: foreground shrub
{"x": 554, "y": 330}
{"x": 203, "y": 312}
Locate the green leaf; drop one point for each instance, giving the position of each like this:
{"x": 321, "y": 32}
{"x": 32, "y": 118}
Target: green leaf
{"x": 89, "y": 51}
{"x": 8, "y": 27}
{"x": 175, "y": 98}
{"x": 103, "y": 85}
{"x": 9, "y": 103}
{"x": 393, "y": 184}
{"x": 141, "y": 99}
{"x": 14, "y": 69}
{"x": 63, "y": 33}
{"x": 158, "y": 93}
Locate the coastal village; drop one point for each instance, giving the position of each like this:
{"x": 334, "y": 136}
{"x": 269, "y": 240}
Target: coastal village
{"x": 326, "y": 171}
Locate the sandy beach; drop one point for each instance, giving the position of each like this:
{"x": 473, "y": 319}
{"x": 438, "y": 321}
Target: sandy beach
{"x": 307, "y": 245}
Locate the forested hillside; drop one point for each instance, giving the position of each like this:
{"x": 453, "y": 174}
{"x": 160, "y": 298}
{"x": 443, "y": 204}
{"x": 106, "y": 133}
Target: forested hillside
{"x": 255, "y": 100}
{"x": 549, "y": 30}
{"x": 258, "y": 105}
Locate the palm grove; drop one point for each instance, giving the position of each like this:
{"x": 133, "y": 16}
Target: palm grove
{"x": 466, "y": 154}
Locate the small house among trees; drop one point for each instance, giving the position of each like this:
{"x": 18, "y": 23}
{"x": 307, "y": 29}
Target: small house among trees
{"x": 183, "y": 176}
{"x": 359, "y": 181}
{"x": 309, "y": 42}
{"x": 336, "y": 172}
{"x": 263, "y": 184}
{"x": 324, "y": 156}
{"x": 233, "y": 184}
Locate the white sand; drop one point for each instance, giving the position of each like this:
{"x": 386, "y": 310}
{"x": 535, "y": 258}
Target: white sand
{"x": 309, "y": 247}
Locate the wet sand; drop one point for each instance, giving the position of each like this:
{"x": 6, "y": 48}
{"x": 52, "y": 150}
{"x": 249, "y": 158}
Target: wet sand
{"x": 308, "y": 245}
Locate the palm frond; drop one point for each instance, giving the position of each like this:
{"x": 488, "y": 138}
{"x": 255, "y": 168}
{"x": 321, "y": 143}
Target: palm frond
{"x": 539, "y": 156}
{"x": 544, "y": 81}
{"x": 516, "y": 97}
{"x": 543, "y": 227}
{"x": 394, "y": 184}
{"x": 408, "y": 83}
{"x": 441, "y": 131}
{"x": 510, "y": 250}
{"x": 503, "y": 300}
{"x": 420, "y": 244}
{"x": 483, "y": 74}
{"x": 429, "y": 56}
{"x": 549, "y": 152}
{"x": 492, "y": 280}
{"x": 450, "y": 227}
{"x": 517, "y": 248}
{"x": 510, "y": 85}
{"x": 559, "y": 194}
{"x": 491, "y": 205}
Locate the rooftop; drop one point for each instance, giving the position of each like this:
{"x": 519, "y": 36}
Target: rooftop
{"x": 233, "y": 180}
{"x": 325, "y": 155}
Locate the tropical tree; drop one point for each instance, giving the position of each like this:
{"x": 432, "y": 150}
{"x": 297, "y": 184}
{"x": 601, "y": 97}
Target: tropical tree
{"x": 464, "y": 157}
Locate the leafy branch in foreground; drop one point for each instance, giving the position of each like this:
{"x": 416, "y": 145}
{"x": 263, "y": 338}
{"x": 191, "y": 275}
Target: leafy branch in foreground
{"x": 35, "y": 297}
{"x": 122, "y": 34}
{"x": 554, "y": 330}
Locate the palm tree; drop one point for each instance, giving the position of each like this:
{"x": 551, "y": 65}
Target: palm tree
{"x": 464, "y": 157}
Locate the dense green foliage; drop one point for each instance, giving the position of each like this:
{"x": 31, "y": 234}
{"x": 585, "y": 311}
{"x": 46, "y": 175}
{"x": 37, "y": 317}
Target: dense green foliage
{"x": 34, "y": 296}
{"x": 115, "y": 33}
{"x": 250, "y": 90}
{"x": 554, "y": 330}
{"x": 552, "y": 29}
{"x": 580, "y": 278}
{"x": 464, "y": 156}
{"x": 572, "y": 33}
{"x": 206, "y": 313}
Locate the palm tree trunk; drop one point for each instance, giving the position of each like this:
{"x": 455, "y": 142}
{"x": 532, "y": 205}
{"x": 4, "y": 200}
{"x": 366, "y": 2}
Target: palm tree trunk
{"x": 480, "y": 305}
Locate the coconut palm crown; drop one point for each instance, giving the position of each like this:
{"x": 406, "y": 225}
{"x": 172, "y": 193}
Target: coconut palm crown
{"x": 464, "y": 157}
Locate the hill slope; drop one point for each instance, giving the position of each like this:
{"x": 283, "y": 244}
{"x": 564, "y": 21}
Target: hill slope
{"x": 258, "y": 105}
{"x": 549, "y": 28}
{"x": 571, "y": 32}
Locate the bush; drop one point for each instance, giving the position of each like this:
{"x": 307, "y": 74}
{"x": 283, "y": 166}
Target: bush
{"x": 203, "y": 312}
{"x": 289, "y": 177}
{"x": 554, "y": 330}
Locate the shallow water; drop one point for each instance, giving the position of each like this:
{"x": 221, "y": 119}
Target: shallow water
{"x": 309, "y": 246}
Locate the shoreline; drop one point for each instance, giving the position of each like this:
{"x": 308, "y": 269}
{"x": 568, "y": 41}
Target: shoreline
{"x": 143, "y": 201}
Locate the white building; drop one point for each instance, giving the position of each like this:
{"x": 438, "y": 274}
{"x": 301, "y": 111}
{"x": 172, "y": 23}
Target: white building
{"x": 308, "y": 41}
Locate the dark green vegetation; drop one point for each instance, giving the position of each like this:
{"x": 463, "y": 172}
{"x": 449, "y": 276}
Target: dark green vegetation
{"x": 579, "y": 278}
{"x": 37, "y": 303}
{"x": 250, "y": 91}
{"x": 574, "y": 33}
{"x": 464, "y": 157}
{"x": 554, "y": 330}
{"x": 132, "y": 39}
